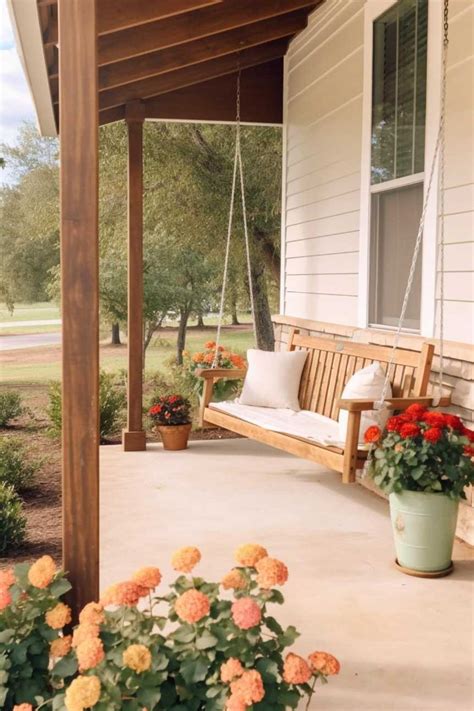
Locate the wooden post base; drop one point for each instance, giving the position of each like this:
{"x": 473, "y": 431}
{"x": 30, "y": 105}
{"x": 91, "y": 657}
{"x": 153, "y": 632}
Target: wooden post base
{"x": 133, "y": 441}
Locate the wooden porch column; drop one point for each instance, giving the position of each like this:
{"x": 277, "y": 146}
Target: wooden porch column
{"x": 79, "y": 296}
{"x": 134, "y": 438}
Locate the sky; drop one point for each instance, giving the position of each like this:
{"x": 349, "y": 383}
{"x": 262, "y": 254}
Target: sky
{"x": 16, "y": 104}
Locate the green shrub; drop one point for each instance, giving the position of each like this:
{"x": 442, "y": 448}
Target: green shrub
{"x": 12, "y": 519}
{"x": 10, "y": 407}
{"x": 16, "y": 469}
{"x": 112, "y": 400}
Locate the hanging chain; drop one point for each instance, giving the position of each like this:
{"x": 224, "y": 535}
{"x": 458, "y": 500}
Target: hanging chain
{"x": 237, "y": 165}
{"x": 439, "y": 150}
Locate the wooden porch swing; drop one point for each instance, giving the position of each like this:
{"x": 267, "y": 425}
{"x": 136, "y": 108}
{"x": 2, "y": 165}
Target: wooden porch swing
{"x": 331, "y": 363}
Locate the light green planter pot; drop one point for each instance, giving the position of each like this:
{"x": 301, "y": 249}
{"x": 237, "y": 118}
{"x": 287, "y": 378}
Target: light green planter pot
{"x": 423, "y": 525}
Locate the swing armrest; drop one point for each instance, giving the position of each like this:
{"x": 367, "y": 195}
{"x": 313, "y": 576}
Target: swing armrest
{"x": 393, "y": 403}
{"x": 218, "y": 373}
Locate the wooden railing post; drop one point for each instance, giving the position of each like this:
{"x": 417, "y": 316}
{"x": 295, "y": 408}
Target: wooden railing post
{"x": 134, "y": 438}
{"x": 78, "y": 82}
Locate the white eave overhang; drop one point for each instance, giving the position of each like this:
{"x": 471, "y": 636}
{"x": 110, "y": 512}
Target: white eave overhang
{"x": 29, "y": 44}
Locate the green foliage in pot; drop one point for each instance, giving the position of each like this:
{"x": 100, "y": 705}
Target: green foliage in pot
{"x": 12, "y": 519}
{"x": 422, "y": 450}
{"x": 10, "y": 407}
{"x": 112, "y": 400}
{"x": 16, "y": 467}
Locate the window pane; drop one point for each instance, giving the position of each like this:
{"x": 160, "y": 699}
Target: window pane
{"x": 399, "y": 91}
{"x": 395, "y": 218}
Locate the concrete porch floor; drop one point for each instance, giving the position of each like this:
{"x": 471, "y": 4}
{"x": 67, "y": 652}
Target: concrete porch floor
{"x": 404, "y": 643}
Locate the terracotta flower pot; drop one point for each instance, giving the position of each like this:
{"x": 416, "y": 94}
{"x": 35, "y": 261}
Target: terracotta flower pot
{"x": 174, "y": 437}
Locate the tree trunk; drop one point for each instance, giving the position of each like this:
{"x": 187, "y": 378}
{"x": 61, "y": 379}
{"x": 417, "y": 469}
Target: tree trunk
{"x": 235, "y": 318}
{"x": 181, "y": 340}
{"x": 200, "y": 320}
{"x": 263, "y": 318}
{"x": 116, "y": 335}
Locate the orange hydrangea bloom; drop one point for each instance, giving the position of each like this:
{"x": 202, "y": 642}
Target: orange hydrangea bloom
{"x": 249, "y": 554}
{"x": 126, "y": 593}
{"x": 42, "y": 572}
{"x": 197, "y": 357}
{"x": 324, "y": 663}
{"x": 210, "y": 344}
{"x": 192, "y": 606}
{"x": 147, "y": 577}
{"x": 84, "y": 631}
{"x": 23, "y": 707}
{"x": 90, "y": 653}
{"x": 296, "y": 670}
{"x": 271, "y": 572}
{"x": 235, "y": 703}
{"x": 59, "y": 616}
{"x": 185, "y": 559}
{"x": 5, "y": 597}
{"x": 137, "y": 657}
{"x": 82, "y": 693}
{"x": 249, "y": 688}
{"x": 234, "y": 580}
{"x": 246, "y": 613}
{"x": 231, "y": 669}
{"x": 7, "y": 578}
{"x": 60, "y": 646}
{"x": 92, "y": 613}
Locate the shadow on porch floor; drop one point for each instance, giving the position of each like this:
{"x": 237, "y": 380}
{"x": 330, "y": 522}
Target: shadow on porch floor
{"x": 404, "y": 643}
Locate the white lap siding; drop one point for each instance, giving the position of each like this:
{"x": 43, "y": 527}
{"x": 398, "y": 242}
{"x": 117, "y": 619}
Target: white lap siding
{"x": 323, "y": 132}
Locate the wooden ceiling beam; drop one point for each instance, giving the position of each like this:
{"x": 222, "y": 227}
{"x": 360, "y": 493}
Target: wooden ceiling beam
{"x": 170, "y": 32}
{"x": 193, "y": 74}
{"x": 156, "y": 63}
{"x": 214, "y": 100}
{"x": 118, "y": 15}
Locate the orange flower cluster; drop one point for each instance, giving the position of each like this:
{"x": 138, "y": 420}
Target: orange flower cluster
{"x": 60, "y": 647}
{"x": 296, "y": 670}
{"x": 42, "y": 572}
{"x": 225, "y": 357}
{"x": 83, "y": 632}
{"x": 137, "y": 657}
{"x": 185, "y": 559}
{"x": 248, "y": 687}
{"x": 125, "y": 594}
{"x": 83, "y": 693}
{"x": 23, "y": 707}
{"x": 7, "y": 578}
{"x": 5, "y": 597}
{"x": 271, "y": 572}
{"x": 59, "y": 616}
{"x": 249, "y": 554}
{"x": 148, "y": 577}
{"x": 90, "y": 653}
{"x": 92, "y": 613}
{"x": 234, "y": 580}
{"x": 192, "y": 606}
{"x": 246, "y": 613}
{"x": 231, "y": 669}
{"x": 324, "y": 663}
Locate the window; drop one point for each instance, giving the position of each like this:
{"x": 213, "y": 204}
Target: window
{"x": 397, "y": 158}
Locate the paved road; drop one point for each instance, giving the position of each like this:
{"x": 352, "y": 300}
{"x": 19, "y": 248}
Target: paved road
{"x": 29, "y": 340}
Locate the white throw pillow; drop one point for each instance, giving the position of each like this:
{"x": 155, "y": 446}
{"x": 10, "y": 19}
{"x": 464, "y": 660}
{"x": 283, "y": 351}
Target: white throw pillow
{"x": 273, "y": 379}
{"x": 365, "y": 384}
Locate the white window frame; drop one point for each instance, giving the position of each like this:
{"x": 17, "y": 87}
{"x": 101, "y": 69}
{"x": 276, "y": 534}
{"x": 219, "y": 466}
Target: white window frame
{"x": 372, "y": 10}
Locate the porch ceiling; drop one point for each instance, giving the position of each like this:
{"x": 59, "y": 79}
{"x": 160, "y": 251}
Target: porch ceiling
{"x": 180, "y": 57}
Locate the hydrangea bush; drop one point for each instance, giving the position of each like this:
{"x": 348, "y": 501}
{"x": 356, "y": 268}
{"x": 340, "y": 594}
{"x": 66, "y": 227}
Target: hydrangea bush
{"x": 422, "y": 450}
{"x": 225, "y": 359}
{"x": 201, "y": 646}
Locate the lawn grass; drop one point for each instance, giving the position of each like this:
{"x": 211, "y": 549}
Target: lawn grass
{"x": 30, "y": 312}
{"x": 40, "y": 365}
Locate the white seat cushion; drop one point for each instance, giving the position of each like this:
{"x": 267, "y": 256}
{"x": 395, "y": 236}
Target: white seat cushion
{"x": 304, "y": 424}
{"x": 365, "y": 384}
{"x": 273, "y": 379}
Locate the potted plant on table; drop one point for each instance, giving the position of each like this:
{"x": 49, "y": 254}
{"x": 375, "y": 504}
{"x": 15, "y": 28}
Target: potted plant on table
{"x": 226, "y": 359}
{"x": 171, "y": 417}
{"x": 423, "y": 460}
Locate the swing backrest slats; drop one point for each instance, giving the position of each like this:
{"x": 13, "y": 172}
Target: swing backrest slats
{"x": 331, "y": 363}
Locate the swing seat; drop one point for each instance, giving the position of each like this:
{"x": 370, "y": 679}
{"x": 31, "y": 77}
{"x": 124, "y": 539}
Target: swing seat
{"x": 312, "y": 433}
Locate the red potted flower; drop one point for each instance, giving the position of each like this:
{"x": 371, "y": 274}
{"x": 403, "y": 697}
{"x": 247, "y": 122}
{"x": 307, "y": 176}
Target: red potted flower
{"x": 423, "y": 460}
{"x": 170, "y": 415}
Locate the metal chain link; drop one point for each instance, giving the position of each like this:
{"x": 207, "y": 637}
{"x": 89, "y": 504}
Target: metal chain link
{"x": 439, "y": 150}
{"x": 237, "y": 165}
